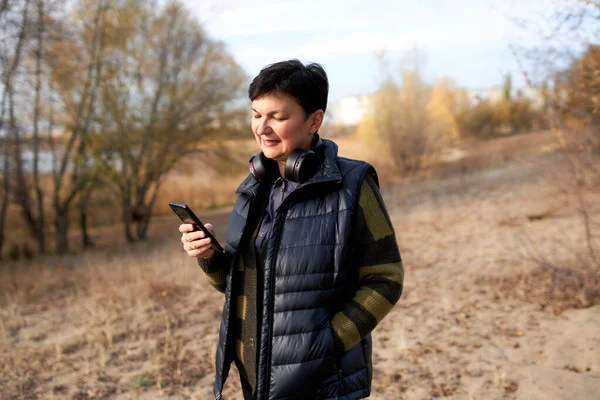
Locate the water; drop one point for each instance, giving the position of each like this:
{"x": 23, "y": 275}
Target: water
{"x": 45, "y": 161}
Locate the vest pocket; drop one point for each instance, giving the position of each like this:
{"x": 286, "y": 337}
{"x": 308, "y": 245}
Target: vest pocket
{"x": 331, "y": 382}
{"x": 335, "y": 357}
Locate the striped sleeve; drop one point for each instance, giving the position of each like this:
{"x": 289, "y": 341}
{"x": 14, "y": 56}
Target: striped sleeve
{"x": 381, "y": 274}
{"x": 216, "y": 270}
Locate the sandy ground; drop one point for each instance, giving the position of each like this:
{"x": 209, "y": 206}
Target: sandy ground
{"x": 141, "y": 322}
{"x": 468, "y": 337}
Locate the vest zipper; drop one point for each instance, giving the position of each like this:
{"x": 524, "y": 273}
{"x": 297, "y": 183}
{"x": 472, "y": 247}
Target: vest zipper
{"x": 279, "y": 226}
{"x": 281, "y": 217}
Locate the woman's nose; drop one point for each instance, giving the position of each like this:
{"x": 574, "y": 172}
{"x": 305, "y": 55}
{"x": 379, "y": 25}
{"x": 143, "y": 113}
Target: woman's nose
{"x": 263, "y": 128}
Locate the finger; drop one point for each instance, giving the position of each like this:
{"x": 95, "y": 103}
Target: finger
{"x": 190, "y": 237}
{"x": 193, "y": 236}
{"x": 185, "y": 228}
{"x": 203, "y": 252}
{"x": 210, "y": 228}
{"x": 196, "y": 244}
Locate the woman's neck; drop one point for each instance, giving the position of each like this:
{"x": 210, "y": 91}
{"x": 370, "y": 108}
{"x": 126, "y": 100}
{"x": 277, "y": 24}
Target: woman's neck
{"x": 281, "y": 166}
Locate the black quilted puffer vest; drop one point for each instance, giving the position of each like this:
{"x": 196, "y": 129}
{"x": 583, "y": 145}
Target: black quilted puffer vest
{"x": 305, "y": 268}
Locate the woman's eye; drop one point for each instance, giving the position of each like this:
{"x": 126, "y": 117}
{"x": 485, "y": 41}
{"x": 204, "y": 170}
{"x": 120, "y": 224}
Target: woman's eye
{"x": 256, "y": 116}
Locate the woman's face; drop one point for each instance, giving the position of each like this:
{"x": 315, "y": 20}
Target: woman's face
{"x": 280, "y": 125}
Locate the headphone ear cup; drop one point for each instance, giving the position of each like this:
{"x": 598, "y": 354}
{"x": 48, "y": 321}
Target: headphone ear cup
{"x": 258, "y": 166}
{"x": 301, "y": 165}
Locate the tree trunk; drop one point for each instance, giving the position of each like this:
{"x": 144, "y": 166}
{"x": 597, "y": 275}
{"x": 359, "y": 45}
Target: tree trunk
{"x": 3, "y": 208}
{"x": 21, "y": 187}
{"x": 126, "y": 205}
{"x": 41, "y": 234}
{"x": 8, "y": 95}
{"x": 5, "y": 179}
{"x": 141, "y": 216}
{"x": 145, "y": 222}
{"x": 73, "y": 153}
{"x": 142, "y": 227}
{"x": 36, "y": 136}
{"x": 4, "y": 200}
{"x": 61, "y": 225}
{"x": 86, "y": 239}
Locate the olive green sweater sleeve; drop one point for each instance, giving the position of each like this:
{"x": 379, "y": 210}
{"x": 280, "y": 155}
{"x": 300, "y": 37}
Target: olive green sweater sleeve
{"x": 215, "y": 269}
{"x": 380, "y": 272}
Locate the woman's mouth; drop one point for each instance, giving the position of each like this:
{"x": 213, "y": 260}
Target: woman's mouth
{"x": 270, "y": 143}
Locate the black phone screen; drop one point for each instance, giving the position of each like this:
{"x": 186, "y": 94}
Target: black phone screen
{"x": 185, "y": 213}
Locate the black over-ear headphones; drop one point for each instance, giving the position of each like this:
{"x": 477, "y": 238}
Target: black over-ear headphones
{"x": 300, "y": 166}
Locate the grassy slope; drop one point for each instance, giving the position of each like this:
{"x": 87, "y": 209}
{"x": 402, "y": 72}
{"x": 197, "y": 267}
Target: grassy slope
{"x": 140, "y": 321}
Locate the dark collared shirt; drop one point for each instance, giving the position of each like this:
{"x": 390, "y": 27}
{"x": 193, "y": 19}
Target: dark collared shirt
{"x": 278, "y": 192}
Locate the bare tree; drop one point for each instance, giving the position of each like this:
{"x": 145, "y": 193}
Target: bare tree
{"x": 77, "y": 88}
{"x": 36, "y": 126}
{"x": 129, "y": 87}
{"x": 167, "y": 87}
{"x": 28, "y": 195}
{"x": 569, "y": 59}
{"x": 14, "y": 29}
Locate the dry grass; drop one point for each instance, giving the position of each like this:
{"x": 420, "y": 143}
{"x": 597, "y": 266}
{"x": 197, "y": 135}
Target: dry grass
{"x": 192, "y": 182}
{"x": 199, "y": 195}
{"x": 108, "y": 326}
{"x": 141, "y": 320}
{"x": 552, "y": 289}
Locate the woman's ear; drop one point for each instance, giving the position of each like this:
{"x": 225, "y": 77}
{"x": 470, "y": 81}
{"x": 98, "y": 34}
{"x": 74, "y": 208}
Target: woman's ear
{"x": 316, "y": 121}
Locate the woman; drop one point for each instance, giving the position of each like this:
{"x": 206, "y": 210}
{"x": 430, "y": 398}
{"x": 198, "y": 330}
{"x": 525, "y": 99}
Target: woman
{"x": 311, "y": 263}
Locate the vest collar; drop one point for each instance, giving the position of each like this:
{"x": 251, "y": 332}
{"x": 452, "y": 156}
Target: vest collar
{"x": 328, "y": 170}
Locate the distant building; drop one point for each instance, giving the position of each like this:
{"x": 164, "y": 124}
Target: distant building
{"x": 494, "y": 94}
{"x": 347, "y": 110}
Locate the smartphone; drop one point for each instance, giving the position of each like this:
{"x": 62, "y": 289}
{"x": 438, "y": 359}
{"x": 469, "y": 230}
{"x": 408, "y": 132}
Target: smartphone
{"x": 185, "y": 213}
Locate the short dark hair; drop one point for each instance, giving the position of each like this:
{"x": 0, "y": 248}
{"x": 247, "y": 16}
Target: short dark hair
{"x": 307, "y": 84}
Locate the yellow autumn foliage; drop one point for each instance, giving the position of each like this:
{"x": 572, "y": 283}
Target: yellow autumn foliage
{"x": 407, "y": 123}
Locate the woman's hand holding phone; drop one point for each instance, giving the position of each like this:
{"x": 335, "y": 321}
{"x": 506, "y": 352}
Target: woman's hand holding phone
{"x": 195, "y": 243}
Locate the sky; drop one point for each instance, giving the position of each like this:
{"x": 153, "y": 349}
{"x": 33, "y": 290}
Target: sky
{"x": 466, "y": 40}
